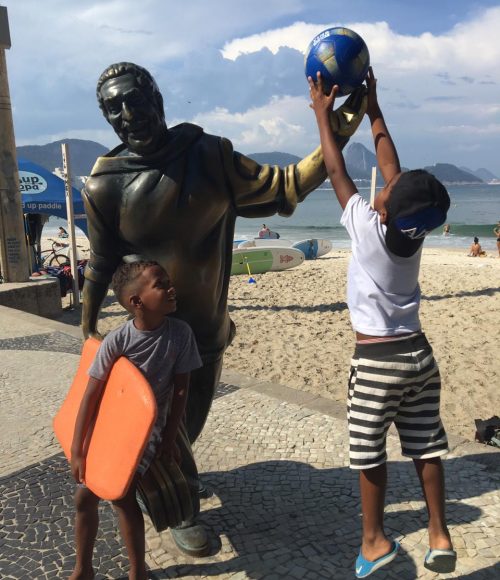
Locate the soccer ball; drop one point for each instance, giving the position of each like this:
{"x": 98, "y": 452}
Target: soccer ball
{"x": 342, "y": 58}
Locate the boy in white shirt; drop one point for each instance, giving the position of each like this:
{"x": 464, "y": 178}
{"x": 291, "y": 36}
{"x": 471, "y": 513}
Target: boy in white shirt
{"x": 394, "y": 377}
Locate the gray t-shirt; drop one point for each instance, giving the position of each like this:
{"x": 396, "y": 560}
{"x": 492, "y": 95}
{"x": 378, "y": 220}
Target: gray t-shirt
{"x": 159, "y": 354}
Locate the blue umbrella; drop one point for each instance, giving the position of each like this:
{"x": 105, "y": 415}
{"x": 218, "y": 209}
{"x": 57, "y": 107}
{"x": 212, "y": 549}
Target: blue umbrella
{"x": 43, "y": 192}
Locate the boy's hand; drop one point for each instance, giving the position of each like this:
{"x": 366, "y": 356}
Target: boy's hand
{"x": 371, "y": 83}
{"x": 321, "y": 103}
{"x": 170, "y": 451}
{"x": 78, "y": 465}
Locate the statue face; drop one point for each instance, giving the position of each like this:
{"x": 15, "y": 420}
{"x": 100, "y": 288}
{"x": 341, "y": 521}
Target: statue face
{"x": 133, "y": 114}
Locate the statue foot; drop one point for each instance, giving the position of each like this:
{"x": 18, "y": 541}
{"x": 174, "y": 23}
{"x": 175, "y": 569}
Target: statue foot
{"x": 204, "y": 492}
{"x": 191, "y": 538}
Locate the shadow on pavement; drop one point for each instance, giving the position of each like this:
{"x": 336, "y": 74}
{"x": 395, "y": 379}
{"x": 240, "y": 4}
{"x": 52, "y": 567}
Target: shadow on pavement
{"x": 284, "y": 516}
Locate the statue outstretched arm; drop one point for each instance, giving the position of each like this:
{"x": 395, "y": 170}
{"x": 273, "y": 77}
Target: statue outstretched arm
{"x": 263, "y": 190}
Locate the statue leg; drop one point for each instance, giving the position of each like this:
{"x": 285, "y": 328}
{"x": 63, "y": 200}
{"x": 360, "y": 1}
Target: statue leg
{"x": 202, "y": 387}
{"x": 169, "y": 492}
{"x": 190, "y": 537}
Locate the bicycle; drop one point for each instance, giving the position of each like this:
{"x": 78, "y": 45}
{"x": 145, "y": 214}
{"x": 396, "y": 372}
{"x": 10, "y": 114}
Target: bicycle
{"x": 53, "y": 257}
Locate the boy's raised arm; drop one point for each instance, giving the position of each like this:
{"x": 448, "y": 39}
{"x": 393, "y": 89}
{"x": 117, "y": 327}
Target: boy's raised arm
{"x": 387, "y": 156}
{"x": 334, "y": 161}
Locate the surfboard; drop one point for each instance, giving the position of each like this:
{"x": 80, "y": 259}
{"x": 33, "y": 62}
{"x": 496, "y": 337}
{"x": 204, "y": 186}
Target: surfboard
{"x": 121, "y": 429}
{"x": 313, "y": 248}
{"x": 259, "y": 261}
{"x": 286, "y": 258}
{"x": 265, "y": 242}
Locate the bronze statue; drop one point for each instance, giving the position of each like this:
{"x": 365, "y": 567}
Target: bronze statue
{"x": 173, "y": 195}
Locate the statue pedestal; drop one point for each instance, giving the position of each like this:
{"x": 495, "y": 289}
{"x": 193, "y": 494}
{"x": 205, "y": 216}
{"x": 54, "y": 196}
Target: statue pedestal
{"x": 41, "y": 297}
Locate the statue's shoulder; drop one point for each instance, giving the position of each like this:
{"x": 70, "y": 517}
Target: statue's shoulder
{"x": 102, "y": 184}
{"x": 106, "y": 175}
{"x": 198, "y": 143}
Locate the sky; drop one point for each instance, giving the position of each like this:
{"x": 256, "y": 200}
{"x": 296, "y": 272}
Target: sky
{"x": 236, "y": 68}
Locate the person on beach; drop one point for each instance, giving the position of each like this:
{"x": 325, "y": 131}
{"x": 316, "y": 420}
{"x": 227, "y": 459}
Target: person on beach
{"x": 446, "y": 230}
{"x": 62, "y": 233}
{"x": 394, "y": 377}
{"x": 496, "y": 231}
{"x": 264, "y": 232}
{"x": 476, "y": 251}
{"x": 173, "y": 195}
{"x": 165, "y": 350}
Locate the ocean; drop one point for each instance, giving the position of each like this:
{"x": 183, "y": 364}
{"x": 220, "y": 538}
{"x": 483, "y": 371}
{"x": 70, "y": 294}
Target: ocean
{"x": 474, "y": 211}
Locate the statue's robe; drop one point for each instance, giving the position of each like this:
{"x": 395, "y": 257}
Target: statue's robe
{"x": 179, "y": 207}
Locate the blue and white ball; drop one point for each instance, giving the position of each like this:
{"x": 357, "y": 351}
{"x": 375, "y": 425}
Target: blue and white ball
{"x": 342, "y": 58}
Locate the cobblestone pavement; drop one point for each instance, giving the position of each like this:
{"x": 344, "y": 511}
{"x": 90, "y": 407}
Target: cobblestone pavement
{"x": 284, "y": 504}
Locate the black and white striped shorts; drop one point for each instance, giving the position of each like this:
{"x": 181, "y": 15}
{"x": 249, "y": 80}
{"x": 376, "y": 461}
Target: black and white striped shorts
{"x": 396, "y": 382}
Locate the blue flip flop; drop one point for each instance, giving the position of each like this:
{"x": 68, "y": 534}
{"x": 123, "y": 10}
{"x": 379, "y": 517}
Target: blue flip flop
{"x": 364, "y": 567}
{"x": 440, "y": 561}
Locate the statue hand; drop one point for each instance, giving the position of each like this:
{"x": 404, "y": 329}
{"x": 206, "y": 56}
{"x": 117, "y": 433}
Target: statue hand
{"x": 347, "y": 118}
{"x": 88, "y": 333}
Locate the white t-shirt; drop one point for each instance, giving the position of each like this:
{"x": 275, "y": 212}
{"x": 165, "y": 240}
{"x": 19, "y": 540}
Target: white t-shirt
{"x": 383, "y": 293}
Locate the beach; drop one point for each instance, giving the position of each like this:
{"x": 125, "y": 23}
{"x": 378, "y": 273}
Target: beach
{"x": 293, "y": 328}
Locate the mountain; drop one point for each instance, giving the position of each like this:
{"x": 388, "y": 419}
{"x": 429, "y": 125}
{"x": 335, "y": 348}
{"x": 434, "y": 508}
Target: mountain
{"x": 274, "y": 158}
{"x": 359, "y": 161}
{"x": 482, "y": 173}
{"x": 82, "y": 153}
{"x": 448, "y": 173}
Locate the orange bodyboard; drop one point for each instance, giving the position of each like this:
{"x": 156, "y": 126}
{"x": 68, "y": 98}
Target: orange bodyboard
{"x": 121, "y": 428}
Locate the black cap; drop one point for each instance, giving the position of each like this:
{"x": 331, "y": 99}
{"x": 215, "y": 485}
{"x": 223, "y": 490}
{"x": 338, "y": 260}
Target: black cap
{"x": 417, "y": 204}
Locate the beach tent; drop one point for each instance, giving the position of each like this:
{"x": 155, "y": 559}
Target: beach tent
{"x": 42, "y": 192}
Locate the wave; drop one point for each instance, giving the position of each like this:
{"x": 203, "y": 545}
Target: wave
{"x": 462, "y": 230}
{"x": 470, "y": 230}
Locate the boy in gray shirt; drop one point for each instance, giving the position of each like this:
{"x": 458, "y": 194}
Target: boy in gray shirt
{"x": 164, "y": 349}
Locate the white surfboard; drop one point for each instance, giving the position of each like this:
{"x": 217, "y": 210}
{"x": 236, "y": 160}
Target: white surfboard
{"x": 324, "y": 246}
{"x": 285, "y": 258}
{"x": 313, "y": 248}
{"x": 265, "y": 242}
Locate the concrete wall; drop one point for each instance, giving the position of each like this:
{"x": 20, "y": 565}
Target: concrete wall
{"x": 41, "y": 297}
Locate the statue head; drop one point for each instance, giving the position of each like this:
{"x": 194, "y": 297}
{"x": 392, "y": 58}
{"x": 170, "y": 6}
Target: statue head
{"x": 132, "y": 103}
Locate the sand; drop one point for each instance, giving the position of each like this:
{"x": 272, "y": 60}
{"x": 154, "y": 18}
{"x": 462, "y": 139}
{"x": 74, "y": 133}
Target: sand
{"x": 294, "y": 329}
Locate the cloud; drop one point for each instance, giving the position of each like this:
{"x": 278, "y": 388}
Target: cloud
{"x": 237, "y": 70}
{"x": 468, "y": 47}
{"x": 124, "y": 31}
{"x": 443, "y": 99}
{"x": 493, "y": 129}
{"x": 296, "y": 36}
{"x": 266, "y": 127}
